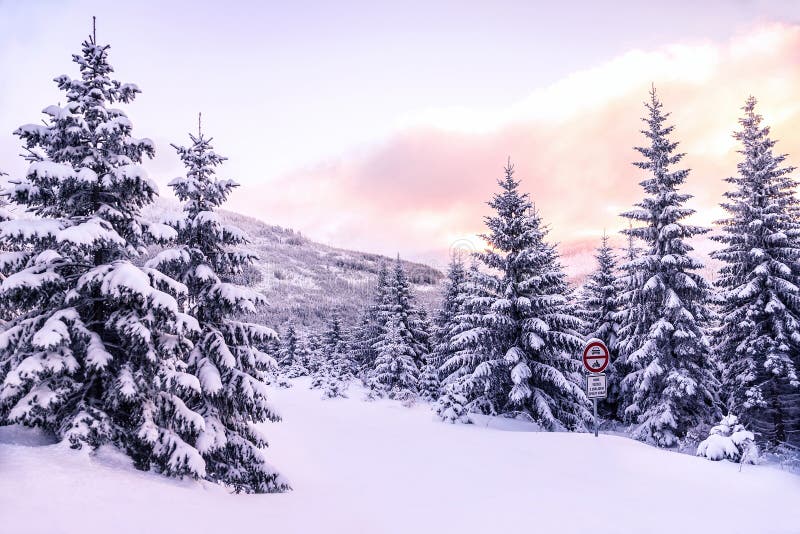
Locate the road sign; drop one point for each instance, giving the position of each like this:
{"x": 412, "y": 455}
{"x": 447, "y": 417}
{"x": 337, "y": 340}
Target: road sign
{"x": 595, "y": 356}
{"x": 595, "y": 360}
{"x": 596, "y": 386}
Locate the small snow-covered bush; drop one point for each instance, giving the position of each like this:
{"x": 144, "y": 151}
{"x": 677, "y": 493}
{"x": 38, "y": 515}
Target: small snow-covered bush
{"x": 331, "y": 381}
{"x": 729, "y": 440}
{"x": 282, "y": 382}
{"x": 407, "y": 398}
{"x": 429, "y": 385}
{"x": 451, "y": 406}
{"x": 317, "y": 381}
{"x": 334, "y": 387}
{"x": 373, "y": 389}
{"x": 296, "y": 370}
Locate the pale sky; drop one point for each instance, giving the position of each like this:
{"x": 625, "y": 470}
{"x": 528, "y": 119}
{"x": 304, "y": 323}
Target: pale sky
{"x": 383, "y": 127}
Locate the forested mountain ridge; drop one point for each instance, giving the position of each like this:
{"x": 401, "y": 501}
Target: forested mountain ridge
{"x": 306, "y": 281}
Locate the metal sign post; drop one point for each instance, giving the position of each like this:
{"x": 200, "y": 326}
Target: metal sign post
{"x": 595, "y": 360}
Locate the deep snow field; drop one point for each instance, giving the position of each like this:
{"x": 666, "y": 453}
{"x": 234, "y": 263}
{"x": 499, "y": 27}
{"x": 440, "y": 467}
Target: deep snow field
{"x": 378, "y": 467}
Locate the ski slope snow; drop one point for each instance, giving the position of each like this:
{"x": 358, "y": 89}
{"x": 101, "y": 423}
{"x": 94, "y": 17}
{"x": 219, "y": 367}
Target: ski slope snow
{"x": 378, "y": 467}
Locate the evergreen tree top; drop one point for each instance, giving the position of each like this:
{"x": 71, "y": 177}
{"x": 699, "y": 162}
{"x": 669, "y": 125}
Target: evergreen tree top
{"x": 200, "y": 189}
{"x": 401, "y": 287}
{"x": 85, "y": 162}
{"x": 603, "y": 278}
{"x": 456, "y": 276}
{"x": 765, "y": 190}
{"x": 762, "y": 230}
{"x": 604, "y": 255}
{"x": 510, "y": 227}
{"x": 91, "y": 134}
{"x": 662, "y": 209}
{"x": 517, "y": 241}
{"x": 661, "y": 152}
{"x": 201, "y": 229}
{"x": 600, "y": 296}
{"x": 334, "y": 336}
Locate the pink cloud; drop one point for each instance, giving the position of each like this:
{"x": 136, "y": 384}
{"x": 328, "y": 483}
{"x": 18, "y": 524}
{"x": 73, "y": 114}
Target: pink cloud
{"x": 571, "y": 144}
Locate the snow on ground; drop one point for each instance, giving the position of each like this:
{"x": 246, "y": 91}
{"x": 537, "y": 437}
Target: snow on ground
{"x": 377, "y": 467}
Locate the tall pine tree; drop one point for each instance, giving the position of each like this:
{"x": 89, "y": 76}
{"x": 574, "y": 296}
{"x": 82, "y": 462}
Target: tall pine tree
{"x": 228, "y": 391}
{"x": 293, "y": 353}
{"x": 600, "y": 315}
{"x": 626, "y": 319}
{"x": 412, "y": 321}
{"x": 671, "y": 386}
{"x": 337, "y": 367}
{"x": 430, "y": 386}
{"x": 527, "y": 328}
{"x": 372, "y": 321}
{"x": 288, "y": 353}
{"x": 445, "y": 320}
{"x": 465, "y": 345}
{"x": 758, "y": 340}
{"x": 395, "y": 366}
{"x": 599, "y": 297}
{"x": 94, "y": 352}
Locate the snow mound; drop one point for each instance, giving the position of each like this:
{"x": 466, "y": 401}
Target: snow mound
{"x": 729, "y": 441}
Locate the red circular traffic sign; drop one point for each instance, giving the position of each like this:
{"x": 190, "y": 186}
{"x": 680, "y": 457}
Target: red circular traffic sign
{"x": 595, "y": 356}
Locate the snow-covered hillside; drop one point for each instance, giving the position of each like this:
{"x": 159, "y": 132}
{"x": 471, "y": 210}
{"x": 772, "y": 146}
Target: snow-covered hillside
{"x": 305, "y": 281}
{"x": 378, "y": 467}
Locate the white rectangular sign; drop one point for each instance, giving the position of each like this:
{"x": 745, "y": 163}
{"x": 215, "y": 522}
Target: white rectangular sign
{"x": 596, "y": 386}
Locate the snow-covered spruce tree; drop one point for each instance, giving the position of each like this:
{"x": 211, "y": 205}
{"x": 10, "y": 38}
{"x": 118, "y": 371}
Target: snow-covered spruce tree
{"x": 334, "y": 340}
{"x": 287, "y": 354}
{"x": 599, "y": 297}
{"x": 528, "y": 330}
{"x": 412, "y": 321}
{"x": 600, "y": 315}
{"x": 319, "y": 376}
{"x": 372, "y": 322}
{"x": 385, "y": 298}
{"x": 758, "y": 338}
{"x": 430, "y": 387}
{"x": 395, "y": 366}
{"x": 225, "y": 364}
{"x": 94, "y": 352}
{"x": 293, "y": 354}
{"x": 422, "y": 330}
{"x": 338, "y": 350}
{"x": 672, "y": 388}
{"x": 336, "y": 369}
{"x": 446, "y": 324}
{"x": 451, "y": 406}
{"x": 363, "y": 336}
{"x": 445, "y": 320}
{"x": 478, "y": 366}
{"x": 471, "y": 347}
{"x": 314, "y": 359}
{"x": 729, "y": 440}
{"x": 627, "y": 319}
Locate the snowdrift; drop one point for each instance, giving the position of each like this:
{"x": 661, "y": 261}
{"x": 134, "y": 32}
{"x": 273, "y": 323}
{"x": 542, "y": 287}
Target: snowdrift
{"x": 377, "y": 467}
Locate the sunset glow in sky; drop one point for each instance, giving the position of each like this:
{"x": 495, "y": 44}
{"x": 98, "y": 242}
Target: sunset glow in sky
{"x": 384, "y": 128}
